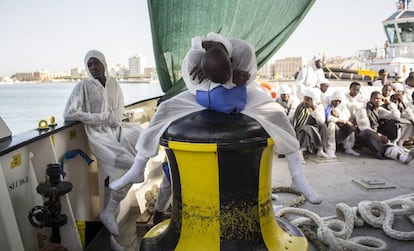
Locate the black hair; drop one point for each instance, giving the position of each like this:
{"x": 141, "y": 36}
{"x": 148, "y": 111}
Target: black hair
{"x": 375, "y": 93}
{"x": 355, "y": 83}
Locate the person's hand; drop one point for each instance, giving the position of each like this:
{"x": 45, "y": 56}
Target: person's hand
{"x": 311, "y": 107}
{"x": 384, "y": 138}
{"x": 240, "y": 77}
{"x": 334, "y": 113}
{"x": 197, "y": 72}
{"x": 351, "y": 125}
{"x": 114, "y": 120}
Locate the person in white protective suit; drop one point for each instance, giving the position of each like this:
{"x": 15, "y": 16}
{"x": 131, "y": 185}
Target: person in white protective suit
{"x": 257, "y": 104}
{"x": 98, "y": 103}
{"x": 369, "y": 135}
{"x": 309, "y": 77}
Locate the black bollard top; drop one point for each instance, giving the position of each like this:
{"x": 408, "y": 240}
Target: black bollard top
{"x": 208, "y": 126}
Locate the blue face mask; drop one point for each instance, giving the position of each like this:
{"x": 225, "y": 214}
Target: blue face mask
{"x": 224, "y": 100}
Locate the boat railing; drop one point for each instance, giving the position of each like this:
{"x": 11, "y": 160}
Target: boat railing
{"x": 405, "y": 50}
{"x": 138, "y": 112}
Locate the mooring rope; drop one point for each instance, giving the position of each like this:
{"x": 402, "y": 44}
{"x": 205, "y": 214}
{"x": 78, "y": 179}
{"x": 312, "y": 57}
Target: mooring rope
{"x": 335, "y": 231}
{"x": 295, "y": 202}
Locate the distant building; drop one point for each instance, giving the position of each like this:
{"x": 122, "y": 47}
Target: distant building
{"x": 150, "y": 72}
{"x": 281, "y": 69}
{"x": 267, "y": 71}
{"x": 287, "y": 67}
{"x": 77, "y": 73}
{"x": 136, "y": 65}
{"x": 56, "y": 75}
{"x": 118, "y": 70}
{"x": 41, "y": 75}
{"x": 6, "y": 79}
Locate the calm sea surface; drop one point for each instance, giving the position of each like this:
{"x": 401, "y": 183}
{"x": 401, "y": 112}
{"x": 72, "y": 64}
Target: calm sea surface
{"x": 22, "y": 105}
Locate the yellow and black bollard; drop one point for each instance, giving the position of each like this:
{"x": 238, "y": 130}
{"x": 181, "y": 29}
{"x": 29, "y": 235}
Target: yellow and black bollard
{"x": 221, "y": 176}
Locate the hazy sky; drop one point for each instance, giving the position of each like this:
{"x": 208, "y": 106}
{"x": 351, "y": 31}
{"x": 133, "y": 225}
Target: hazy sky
{"x": 55, "y": 34}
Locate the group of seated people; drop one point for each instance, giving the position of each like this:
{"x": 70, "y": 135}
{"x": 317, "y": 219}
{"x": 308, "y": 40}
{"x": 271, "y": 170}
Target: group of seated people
{"x": 381, "y": 121}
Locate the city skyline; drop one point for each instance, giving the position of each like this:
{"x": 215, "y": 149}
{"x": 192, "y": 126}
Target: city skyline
{"x": 136, "y": 68}
{"x": 48, "y": 34}
{"x": 69, "y": 68}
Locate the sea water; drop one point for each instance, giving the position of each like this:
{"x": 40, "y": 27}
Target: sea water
{"x": 23, "y": 105}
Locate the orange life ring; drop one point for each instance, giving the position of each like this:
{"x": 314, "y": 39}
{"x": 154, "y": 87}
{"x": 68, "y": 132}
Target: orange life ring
{"x": 269, "y": 88}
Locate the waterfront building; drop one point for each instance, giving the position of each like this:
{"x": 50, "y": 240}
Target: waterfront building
{"x": 77, "y": 72}
{"x": 267, "y": 71}
{"x": 150, "y": 72}
{"x": 287, "y": 68}
{"x": 136, "y": 65}
{"x": 41, "y": 75}
{"x": 118, "y": 70}
{"x": 57, "y": 75}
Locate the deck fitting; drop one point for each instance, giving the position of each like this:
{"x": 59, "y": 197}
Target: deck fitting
{"x": 373, "y": 184}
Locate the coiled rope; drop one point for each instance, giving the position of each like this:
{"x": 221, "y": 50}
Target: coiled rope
{"x": 295, "y": 202}
{"x": 335, "y": 231}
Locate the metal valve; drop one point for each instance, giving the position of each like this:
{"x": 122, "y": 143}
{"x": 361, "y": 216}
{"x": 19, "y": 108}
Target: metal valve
{"x": 49, "y": 215}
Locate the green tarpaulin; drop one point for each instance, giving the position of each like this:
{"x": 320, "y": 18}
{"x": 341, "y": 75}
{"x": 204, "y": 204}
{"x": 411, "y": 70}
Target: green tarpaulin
{"x": 266, "y": 24}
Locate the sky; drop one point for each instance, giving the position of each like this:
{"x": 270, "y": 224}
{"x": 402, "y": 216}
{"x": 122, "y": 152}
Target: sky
{"x": 55, "y": 34}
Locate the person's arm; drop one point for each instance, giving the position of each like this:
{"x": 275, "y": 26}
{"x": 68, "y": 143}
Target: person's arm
{"x": 344, "y": 114}
{"x": 244, "y": 62}
{"x": 362, "y": 120}
{"x": 76, "y": 108}
{"x": 116, "y": 112}
{"x": 318, "y": 113}
{"x": 292, "y": 108}
{"x": 408, "y": 114}
{"x": 332, "y": 116}
{"x": 392, "y": 113}
{"x": 300, "y": 79}
{"x": 189, "y": 66}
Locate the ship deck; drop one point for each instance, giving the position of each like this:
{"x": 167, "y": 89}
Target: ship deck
{"x": 338, "y": 181}
{"x": 342, "y": 181}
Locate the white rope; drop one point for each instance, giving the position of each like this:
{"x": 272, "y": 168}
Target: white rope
{"x": 335, "y": 231}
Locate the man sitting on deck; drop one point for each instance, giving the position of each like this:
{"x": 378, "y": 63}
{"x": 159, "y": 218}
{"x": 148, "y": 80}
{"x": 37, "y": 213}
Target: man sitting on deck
{"x": 340, "y": 128}
{"x": 368, "y": 135}
{"x": 354, "y": 99}
{"x": 257, "y": 104}
{"x": 309, "y": 125}
{"x": 98, "y": 103}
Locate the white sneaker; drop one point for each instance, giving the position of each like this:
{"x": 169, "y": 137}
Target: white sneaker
{"x": 351, "y": 151}
{"x": 331, "y": 155}
{"x": 410, "y": 156}
{"x": 322, "y": 154}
